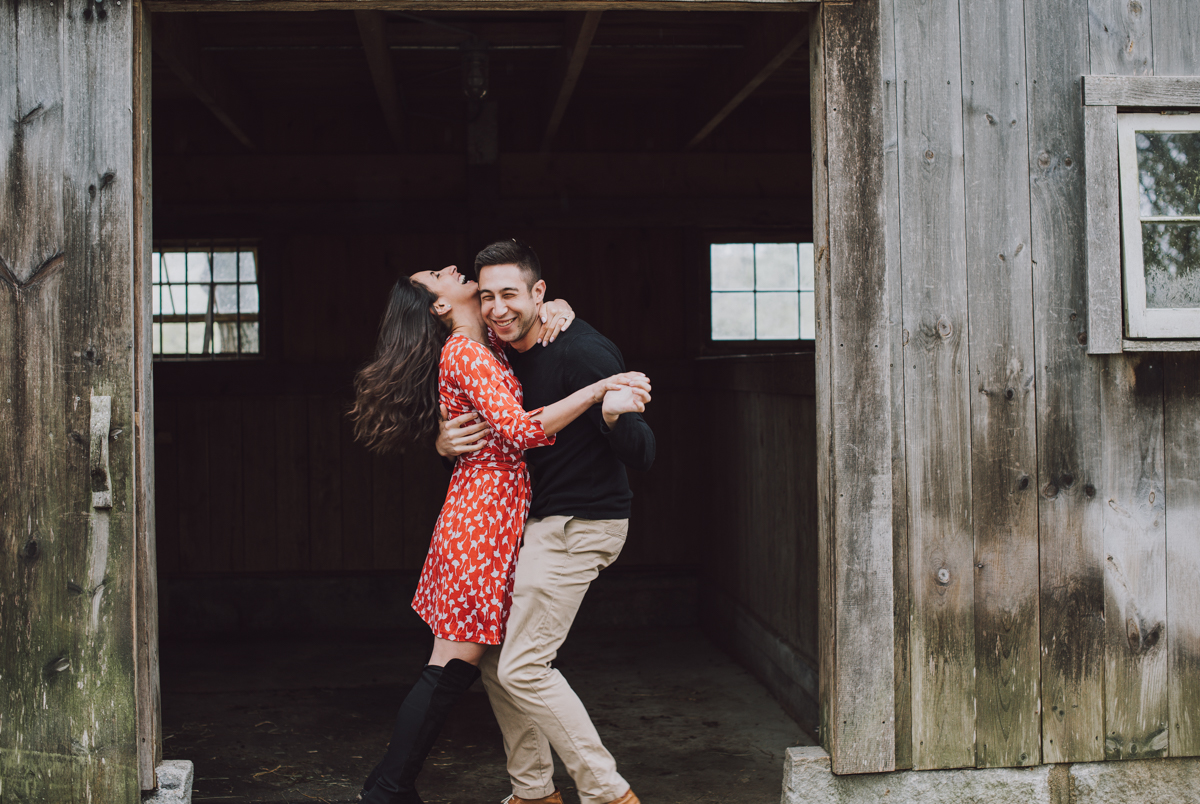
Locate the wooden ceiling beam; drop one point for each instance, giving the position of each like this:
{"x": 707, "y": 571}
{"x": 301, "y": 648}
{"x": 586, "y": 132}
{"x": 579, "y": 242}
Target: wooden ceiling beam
{"x": 173, "y": 40}
{"x": 577, "y": 40}
{"x": 372, "y": 28}
{"x": 771, "y": 43}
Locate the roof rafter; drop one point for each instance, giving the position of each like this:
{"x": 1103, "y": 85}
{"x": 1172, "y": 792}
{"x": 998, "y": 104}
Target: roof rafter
{"x": 174, "y": 41}
{"x": 577, "y": 40}
{"x": 771, "y": 43}
{"x": 372, "y": 28}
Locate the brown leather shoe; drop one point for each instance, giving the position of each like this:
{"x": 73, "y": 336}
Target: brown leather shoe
{"x": 553, "y": 798}
{"x": 628, "y": 798}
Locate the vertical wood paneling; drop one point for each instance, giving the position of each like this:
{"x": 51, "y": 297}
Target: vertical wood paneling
{"x": 324, "y": 483}
{"x": 1119, "y": 36}
{"x": 864, "y": 709}
{"x": 1176, "y": 35}
{"x": 902, "y": 579}
{"x": 1135, "y": 571}
{"x": 937, "y": 406}
{"x": 1105, "y": 310}
{"x": 387, "y": 502}
{"x": 1182, "y": 464}
{"x": 225, "y": 485}
{"x": 826, "y": 632}
{"x": 1068, "y": 422}
{"x": 357, "y": 506}
{"x": 1003, "y": 411}
{"x": 192, "y": 431}
{"x": 292, "y": 483}
{"x": 259, "y": 480}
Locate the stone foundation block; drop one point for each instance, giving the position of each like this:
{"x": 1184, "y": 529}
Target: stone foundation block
{"x": 1144, "y": 781}
{"x": 175, "y": 778}
{"x": 807, "y": 779}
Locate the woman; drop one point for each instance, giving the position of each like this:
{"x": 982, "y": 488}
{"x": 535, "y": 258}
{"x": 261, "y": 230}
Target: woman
{"x": 434, "y": 347}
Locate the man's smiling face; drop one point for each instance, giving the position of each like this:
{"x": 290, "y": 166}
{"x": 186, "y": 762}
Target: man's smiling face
{"x": 510, "y": 306}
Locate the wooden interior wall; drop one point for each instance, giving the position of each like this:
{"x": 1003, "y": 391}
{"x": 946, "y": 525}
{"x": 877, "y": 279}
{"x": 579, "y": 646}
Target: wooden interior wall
{"x": 1051, "y": 501}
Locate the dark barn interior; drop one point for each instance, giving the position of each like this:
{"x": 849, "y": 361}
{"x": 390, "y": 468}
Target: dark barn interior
{"x": 342, "y": 150}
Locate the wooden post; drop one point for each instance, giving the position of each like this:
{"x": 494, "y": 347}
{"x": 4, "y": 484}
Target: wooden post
{"x": 67, "y": 658}
{"x": 854, "y": 403}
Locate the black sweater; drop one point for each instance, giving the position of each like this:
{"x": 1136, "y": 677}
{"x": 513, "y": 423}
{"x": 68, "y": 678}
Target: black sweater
{"x": 583, "y": 473}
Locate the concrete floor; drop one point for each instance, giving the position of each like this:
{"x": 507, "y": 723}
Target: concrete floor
{"x": 304, "y": 721}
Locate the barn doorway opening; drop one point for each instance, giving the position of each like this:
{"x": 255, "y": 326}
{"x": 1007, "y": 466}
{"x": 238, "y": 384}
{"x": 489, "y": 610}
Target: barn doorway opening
{"x": 659, "y": 162}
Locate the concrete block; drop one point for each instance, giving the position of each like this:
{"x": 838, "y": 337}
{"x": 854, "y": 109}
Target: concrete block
{"x": 1145, "y": 781}
{"x": 175, "y": 778}
{"x": 807, "y": 779}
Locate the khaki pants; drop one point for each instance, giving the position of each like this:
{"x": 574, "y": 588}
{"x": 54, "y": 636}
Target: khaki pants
{"x": 536, "y": 708}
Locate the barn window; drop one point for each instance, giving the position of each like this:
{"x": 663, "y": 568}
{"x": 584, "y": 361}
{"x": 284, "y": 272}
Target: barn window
{"x": 205, "y": 302}
{"x": 761, "y": 292}
{"x": 1159, "y": 157}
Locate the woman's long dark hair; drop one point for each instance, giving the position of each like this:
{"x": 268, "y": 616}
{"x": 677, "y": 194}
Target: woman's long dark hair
{"x": 396, "y": 394}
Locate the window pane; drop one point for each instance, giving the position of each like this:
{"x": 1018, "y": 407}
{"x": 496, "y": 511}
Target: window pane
{"x": 808, "y": 316}
{"x": 778, "y": 316}
{"x": 197, "y": 267}
{"x": 176, "y": 266}
{"x": 174, "y": 300}
{"x": 1171, "y": 252}
{"x": 173, "y": 336}
{"x": 225, "y": 267}
{"x": 732, "y": 266}
{"x": 732, "y": 316}
{"x": 807, "y": 268}
{"x": 156, "y": 273}
{"x": 247, "y": 267}
{"x": 195, "y": 337}
{"x": 249, "y": 294}
{"x": 1169, "y": 172}
{"x": 227, "y": 296}
{"x": 775, "y": 266}
{"x": 197, "y": 298}
{"x": 250, "y": 338}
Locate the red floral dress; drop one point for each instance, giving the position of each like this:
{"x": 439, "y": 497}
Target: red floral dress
{"x": 466, "y": 584}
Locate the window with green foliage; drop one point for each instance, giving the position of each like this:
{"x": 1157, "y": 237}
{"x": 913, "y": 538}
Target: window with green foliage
{"x": 1160, "y": 223}
{"x": 205, "y": 302}
{"x": 761, "y": 292}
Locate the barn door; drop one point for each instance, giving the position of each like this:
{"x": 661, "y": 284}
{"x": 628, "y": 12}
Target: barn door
{"x": 69, "y": 213}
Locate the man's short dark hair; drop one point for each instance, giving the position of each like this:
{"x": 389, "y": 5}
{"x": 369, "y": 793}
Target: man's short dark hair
{"x": 511, "y": 252}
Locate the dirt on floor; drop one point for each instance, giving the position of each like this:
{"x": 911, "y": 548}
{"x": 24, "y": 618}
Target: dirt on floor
{"x": 305, "y": 720}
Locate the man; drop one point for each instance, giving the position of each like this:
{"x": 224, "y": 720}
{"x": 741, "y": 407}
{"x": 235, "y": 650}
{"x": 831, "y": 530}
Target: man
{"x": 577, "y": 525}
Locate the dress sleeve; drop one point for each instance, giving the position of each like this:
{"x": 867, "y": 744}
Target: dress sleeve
{"x": 480, "y": 377}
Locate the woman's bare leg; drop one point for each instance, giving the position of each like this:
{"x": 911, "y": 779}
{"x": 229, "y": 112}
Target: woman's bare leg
{"x": 444, "y": 650}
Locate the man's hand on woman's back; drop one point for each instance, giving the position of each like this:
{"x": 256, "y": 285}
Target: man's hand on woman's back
{"x": 462, "y": 434}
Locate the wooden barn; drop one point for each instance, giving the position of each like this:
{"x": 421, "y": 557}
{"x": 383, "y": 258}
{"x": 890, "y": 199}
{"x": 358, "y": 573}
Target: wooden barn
{"x": 917, "y": 283}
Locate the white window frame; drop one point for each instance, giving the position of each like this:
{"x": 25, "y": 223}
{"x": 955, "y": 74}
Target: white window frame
{"x": 1142, "y": 321}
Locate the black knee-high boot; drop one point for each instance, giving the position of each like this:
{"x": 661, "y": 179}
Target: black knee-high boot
{"x": 418, "y": 724}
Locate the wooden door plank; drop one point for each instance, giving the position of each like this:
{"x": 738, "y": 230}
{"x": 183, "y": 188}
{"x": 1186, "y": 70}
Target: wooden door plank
{"x": 1068, "y": 423}
{"x": 937, "y": 406}
{"x": 1135, "y": 572}
{"x": 1119, "y": 36}
{"x": 1003, "y": 405}
{"x": 579, "y": 30}
{"x": 902, "y": 580}
{"x": 863, "y": 715}
{"x": 68, "y": 602}
{"x": 149, "y": 710}
{"x": 387, "y": 516}
{"x": 1181, "y": 427}
{"x": 827, "y": 679}
{"x": 1177, "y": 40}
{"x": 166, "y": 484}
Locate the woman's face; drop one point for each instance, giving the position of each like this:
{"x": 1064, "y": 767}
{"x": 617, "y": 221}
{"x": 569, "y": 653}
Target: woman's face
{"x": 448, "y": 285}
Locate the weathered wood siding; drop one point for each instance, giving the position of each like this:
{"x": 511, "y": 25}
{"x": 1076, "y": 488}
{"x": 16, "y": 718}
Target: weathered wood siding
{"x": 1049, "y": 505}
{"x": 67, "y": 559}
